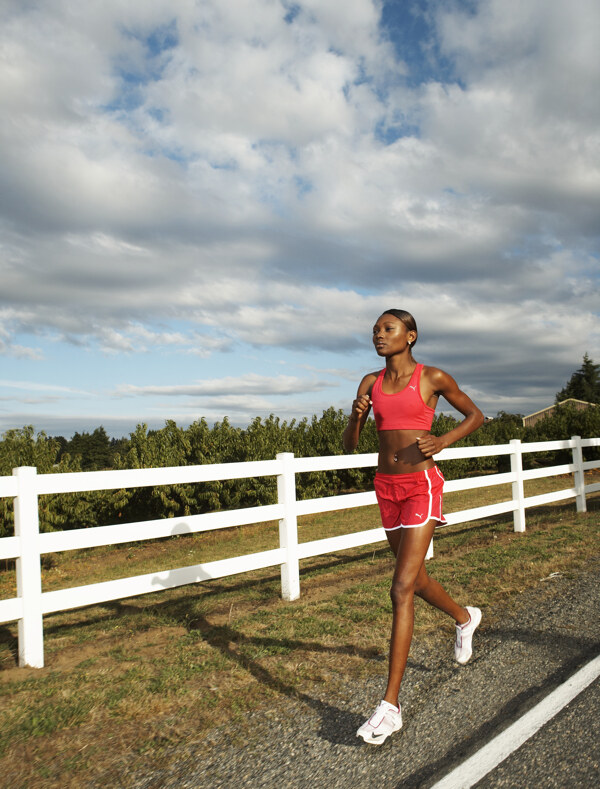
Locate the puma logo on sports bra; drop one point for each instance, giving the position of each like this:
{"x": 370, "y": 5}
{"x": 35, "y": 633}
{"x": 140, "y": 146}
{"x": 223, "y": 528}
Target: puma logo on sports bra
{"x": 403, "y": 410}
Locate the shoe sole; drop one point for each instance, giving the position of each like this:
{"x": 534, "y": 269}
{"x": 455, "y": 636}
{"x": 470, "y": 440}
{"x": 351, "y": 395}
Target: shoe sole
{"x": 478, "y": 616}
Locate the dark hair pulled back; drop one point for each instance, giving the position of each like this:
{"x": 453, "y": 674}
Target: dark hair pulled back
{"x": 406, "y": 318}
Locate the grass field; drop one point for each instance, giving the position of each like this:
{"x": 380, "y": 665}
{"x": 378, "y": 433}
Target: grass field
{"x": 134, "y": 677}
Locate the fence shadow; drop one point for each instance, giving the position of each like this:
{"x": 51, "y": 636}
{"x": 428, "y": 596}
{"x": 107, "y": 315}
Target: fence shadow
{"x": 206, "y": 589}
{"x": 8, "y": 638}
{"x": 337, "y": 726}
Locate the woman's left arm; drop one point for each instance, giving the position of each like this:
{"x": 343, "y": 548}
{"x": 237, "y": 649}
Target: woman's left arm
{"x": 445, "y": 385}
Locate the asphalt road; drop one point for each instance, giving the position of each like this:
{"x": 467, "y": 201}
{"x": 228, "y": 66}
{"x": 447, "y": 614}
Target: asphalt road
{"x": 565, "y": 752}
{"x": 449, "y": 712}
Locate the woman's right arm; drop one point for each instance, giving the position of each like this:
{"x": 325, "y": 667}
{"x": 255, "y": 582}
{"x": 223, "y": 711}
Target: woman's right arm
{"x": 360, "y": 411}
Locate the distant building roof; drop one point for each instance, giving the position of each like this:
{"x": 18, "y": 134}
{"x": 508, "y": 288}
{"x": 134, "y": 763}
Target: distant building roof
{"x": 531, "y": 419}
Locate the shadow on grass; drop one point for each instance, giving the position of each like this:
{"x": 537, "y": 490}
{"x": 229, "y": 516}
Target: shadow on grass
{"x": 9, "y": 641}
{"x": 206, "y": 590}
{"x": 337, "y": 726}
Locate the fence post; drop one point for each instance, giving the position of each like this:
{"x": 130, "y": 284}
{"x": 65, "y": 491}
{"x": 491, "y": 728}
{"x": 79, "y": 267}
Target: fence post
{"x": 578, "y": 475}
{"x": 288, "y": 527}
{"x": 29, "y": 569}
{"x": 518, "y": 492}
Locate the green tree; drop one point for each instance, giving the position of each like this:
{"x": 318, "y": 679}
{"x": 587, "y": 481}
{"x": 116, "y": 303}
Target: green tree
{"x": 22, "y": 447}
{"x": 156, "y": 449}
{"x": 584, "y": 384}
{"x": 565, "y": 422}
{"x": 63, "y": 444}
{"x": 94, "y": 449}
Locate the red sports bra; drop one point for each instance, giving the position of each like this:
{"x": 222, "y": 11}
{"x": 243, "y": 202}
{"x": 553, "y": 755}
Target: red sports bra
{"x": 404, "y": 410}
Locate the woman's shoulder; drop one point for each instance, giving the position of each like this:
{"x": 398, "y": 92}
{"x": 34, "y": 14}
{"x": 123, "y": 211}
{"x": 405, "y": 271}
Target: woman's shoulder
{"x": 432, "y": 372}
{"x": 373, "y": 376}
{"x": 436, "y": 376}
{"x": 367, "y": 382}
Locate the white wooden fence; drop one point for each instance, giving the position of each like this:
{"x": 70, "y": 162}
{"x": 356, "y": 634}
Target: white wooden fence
{"x": 30, "y": 605}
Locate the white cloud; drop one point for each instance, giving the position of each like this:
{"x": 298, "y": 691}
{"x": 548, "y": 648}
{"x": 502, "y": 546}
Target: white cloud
{"x": 239, "y": 386}
{"x": 34, "y": 386}
{"x": 184, "y": 178}
{"x": 525, "y": 126}
{"x": 19, "y": 351}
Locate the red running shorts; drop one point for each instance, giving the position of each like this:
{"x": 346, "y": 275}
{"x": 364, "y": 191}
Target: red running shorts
{"x": 407, "y": 501}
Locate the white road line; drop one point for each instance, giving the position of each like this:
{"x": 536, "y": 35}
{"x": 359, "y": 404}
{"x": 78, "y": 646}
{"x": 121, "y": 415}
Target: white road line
{"x": 497, "y": 750}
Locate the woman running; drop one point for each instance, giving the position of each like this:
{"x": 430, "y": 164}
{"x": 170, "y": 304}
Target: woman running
{"x": 408, "y": 486}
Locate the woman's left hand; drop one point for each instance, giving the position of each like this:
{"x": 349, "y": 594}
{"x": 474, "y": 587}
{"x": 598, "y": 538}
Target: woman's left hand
{"x": 430, "y": 445}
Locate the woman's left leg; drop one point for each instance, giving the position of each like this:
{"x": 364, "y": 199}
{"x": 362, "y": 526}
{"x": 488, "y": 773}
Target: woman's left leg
{"x": 432, "y": 592}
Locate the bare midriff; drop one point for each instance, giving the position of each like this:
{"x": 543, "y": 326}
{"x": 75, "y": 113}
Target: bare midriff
{"x": 399, "y": 452}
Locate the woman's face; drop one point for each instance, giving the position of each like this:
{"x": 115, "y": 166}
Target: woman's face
{"x": 390, "y": 335}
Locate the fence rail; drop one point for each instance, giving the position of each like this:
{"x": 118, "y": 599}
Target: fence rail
{"x": 28, "y": 544}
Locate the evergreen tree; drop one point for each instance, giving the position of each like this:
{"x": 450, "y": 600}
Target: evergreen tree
{"x": 63, "y": 445}
{"x": 93, "y": 449}
{"x": 584, "y": 384}
{"x": 118, "y": 446}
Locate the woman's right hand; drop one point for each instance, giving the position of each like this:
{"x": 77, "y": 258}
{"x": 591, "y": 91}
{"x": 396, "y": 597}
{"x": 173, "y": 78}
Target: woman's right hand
{"x": 359, "y": 413}
{"x": 360, "y": 406}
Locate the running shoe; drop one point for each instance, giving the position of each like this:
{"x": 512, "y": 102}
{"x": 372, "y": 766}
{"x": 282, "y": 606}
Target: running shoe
{"x": 464, "y": 636}
{"x": 384, "y": 721}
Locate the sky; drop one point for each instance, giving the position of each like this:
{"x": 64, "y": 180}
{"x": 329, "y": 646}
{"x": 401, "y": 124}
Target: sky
{"x": 206, "y": 204}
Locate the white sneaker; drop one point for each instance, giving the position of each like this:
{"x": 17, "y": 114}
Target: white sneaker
{"x": 464, "y": 636}
{"x": 384, "y": 721}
